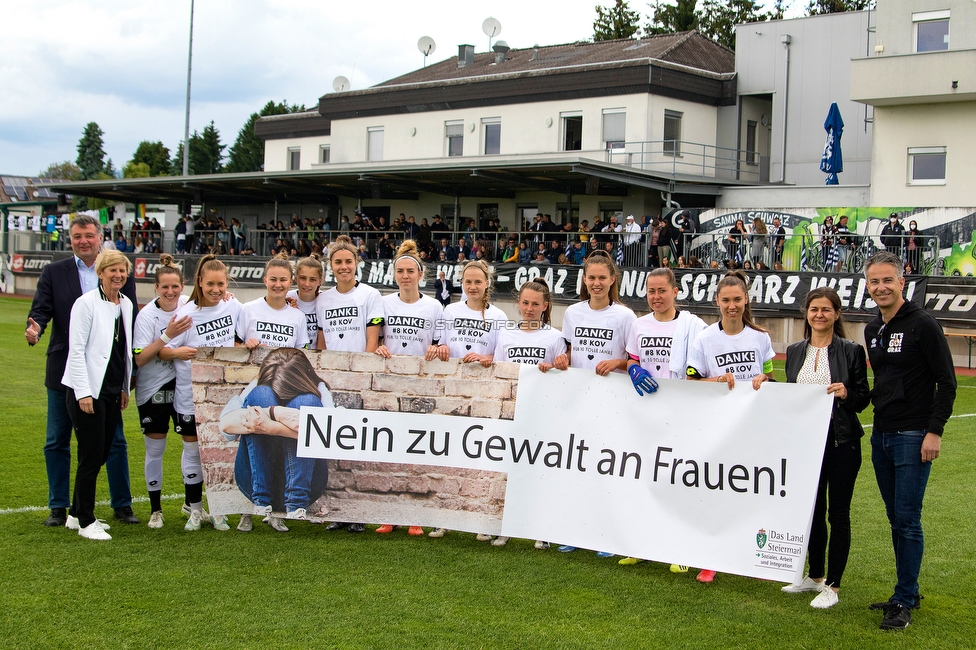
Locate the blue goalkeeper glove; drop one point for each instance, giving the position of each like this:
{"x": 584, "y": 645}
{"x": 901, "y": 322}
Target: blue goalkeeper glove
{"x": 643, "y": 382}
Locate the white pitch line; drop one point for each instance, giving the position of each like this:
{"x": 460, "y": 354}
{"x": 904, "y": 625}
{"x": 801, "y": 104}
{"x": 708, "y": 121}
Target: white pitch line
{"x": 951, "y": 417}
{"x": 15, "y": 511}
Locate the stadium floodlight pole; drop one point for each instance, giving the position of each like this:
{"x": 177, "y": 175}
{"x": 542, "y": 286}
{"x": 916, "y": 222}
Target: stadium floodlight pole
{"x": 186, "y": 126}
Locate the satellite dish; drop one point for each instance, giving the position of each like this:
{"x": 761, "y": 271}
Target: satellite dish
{"x": 426, "y": 45}
{"x": 340, "y": 84}
{"x": 492, "y": 28}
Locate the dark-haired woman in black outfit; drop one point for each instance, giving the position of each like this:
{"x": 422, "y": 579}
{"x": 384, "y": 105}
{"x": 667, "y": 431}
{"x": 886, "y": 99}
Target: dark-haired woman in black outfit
{"x": 826, "y": 357}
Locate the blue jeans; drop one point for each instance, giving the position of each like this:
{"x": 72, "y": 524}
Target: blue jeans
{"x": 902, "y": 477}
{"x": 266, "y": 453}
{"x": 57, "y": 457}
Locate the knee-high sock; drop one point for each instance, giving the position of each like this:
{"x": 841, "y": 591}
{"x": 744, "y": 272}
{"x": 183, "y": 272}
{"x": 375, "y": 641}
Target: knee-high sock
{"x": 192, "y": 472}
{"x": 155, "y": 448}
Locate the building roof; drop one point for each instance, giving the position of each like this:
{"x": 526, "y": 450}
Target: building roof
{"x": 15, "y": 189}
{"x": 689, "y": 49}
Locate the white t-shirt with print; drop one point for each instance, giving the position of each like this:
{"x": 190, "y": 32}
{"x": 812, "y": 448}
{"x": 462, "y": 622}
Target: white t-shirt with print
{"x": 596, "y": 336}
{"x": 409, "y": 329}
{"x": 466, "y": 330}
{"x": 274, "y": 328}
{"x": 311, "y": 317}
{"x": 343, "y": 317}
{"x": 650, "y": 341}
{"x": 150, "y": 323}
{"x": 213, "y": 327}
{"x": 535, "y": 346}
{"x": 745, "y": 355}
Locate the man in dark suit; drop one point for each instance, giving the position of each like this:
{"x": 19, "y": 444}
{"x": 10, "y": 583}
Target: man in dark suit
{"x": 443, "y": 288}
{"x": 62, "y": 283}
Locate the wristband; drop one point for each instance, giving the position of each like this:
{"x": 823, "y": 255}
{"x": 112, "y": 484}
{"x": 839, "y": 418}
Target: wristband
{"x": 271, "y": 413}
{"x": 165, "y": 339}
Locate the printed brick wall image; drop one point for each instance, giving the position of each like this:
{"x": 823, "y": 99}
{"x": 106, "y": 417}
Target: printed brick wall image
{"x": 363, "y": 491}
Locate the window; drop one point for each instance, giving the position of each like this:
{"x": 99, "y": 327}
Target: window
{"x": 614, "y": 128}
{"x": 493, "y": 136}
{"x": 572, "y": 131}
{"x": 672, "y": 133}
{"x": 325, "y": 154}
{"x": 375, "y": 147}
{"x": 455, "y": 138}
{"x": 564, "y": 215}
{"x": 751, "y": 157}
{"x": 294, "y": 158}
{"x": 931, "y": 31}
{"x": 611, "y": 209}
{"x": 926, "y": 165}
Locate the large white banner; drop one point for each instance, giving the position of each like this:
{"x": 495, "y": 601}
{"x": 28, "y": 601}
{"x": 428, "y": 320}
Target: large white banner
{"x": 694, "y": 474}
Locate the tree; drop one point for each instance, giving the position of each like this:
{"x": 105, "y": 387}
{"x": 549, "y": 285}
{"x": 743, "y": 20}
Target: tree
{"x": 154, "y": 155}
{"x": 618, "y": 21}
{"x": 818, "y": 7}
{"x": 135, "y": 169}
{"x": 66, "y": 171}
{"x": 91, "y": 154}
{"x": 718, "y": 18}
{"x": 247, "y": 153}
{"x": 670, "y": 19}
{"x": 206, "y": 153}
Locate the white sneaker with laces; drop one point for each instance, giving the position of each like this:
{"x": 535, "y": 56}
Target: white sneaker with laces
{"x": 219, "y": 522}
{"x": 826, "y": 598}
{"x": 156, "y": 520}
{"x": 194, "y": 522}
{"x": 807, "y": 584}
{"x": 277, "y": 523}
{"x": 246, "y": 524}
{"x": 501, "y": 540}
{"x": 72, "y": 523}
{"x": 262, "y": 511}
{"x": 94, "y": 531}
{"x": 483, "y": 537}
{"x": 299, "y": 513}
{"x": 437, "y": 533}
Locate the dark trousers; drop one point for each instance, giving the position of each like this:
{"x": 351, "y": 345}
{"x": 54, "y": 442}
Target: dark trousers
{"x": 94, "y": 434}
{"x": 834, "y": 493}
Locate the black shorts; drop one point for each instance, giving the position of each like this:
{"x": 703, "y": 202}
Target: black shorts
{"x": 155, "y": 414}
{"x": 186, "y": 425}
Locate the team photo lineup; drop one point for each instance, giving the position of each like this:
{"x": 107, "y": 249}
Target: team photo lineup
{"x": 99, "y": 339}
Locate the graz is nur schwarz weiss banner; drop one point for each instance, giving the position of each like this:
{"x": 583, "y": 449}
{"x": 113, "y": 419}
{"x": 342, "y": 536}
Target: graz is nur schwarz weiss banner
{"x": 694, "y": 474}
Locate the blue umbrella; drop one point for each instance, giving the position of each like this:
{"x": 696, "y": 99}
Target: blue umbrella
{"x": 832, "y": 161}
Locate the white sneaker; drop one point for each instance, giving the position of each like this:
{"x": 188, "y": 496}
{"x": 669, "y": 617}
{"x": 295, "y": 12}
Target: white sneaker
{"x": 94, "y": 531}
{"x": 156, "y": 520}
{"x": 246, "y": 524}
{"x": 826, "y": 598}
{"x": 501, "y": 540}
{"x": 482, "y": 537}
{"x": 262, "y": 511}
{"x": 437, "y": 533}
{"x": 72, "y": 523}
{"x": 219, "y": 522}
{"x": 807, "y": 584}
{"x": 277, "y": 523}
{"x": 194, "y": 522}
{"x": 541, "y": 545}
{"x": 298, "y": 513}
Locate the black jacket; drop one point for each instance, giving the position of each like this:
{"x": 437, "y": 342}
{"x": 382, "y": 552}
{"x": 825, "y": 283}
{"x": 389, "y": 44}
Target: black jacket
{"x": 56, "y": 292}
{"x": 438, "y": 286}
{"x": 914, "y": 379}
{"x": 847, "y": 366}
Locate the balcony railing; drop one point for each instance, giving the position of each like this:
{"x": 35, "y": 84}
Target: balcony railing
{"x": 680, "y": 157}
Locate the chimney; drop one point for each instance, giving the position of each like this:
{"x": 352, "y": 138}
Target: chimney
{"x": 465, "y": 56}
{"x": 535, "y": 52}
{"x": 500, "y": 48}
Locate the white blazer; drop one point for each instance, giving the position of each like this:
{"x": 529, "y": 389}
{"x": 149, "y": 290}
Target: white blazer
{"x": 91, "y": 335}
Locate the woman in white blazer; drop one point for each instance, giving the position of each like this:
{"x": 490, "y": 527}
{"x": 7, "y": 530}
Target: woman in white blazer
{"x": 97, "y": 374}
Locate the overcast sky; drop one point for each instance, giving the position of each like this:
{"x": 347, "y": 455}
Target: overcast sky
{"x": 122, "y": 64}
